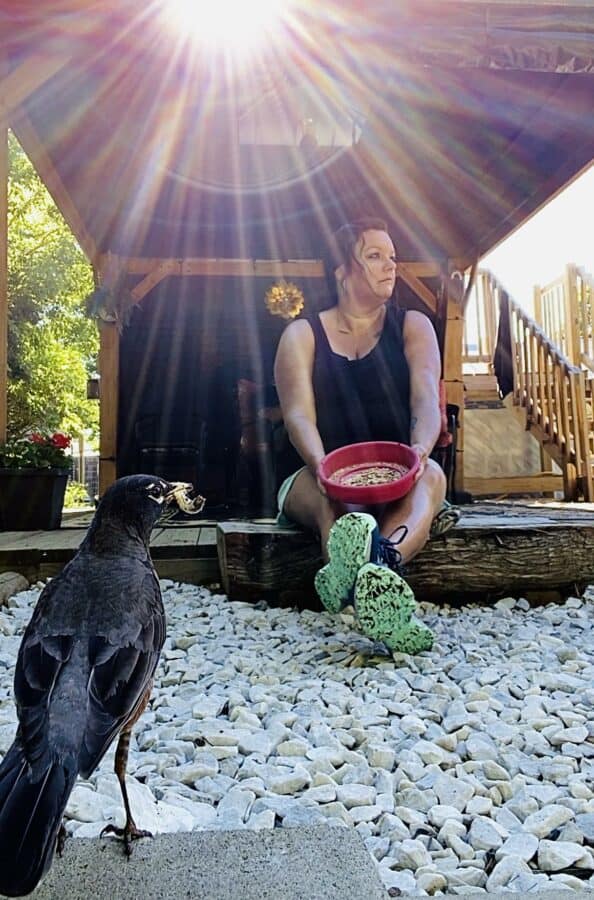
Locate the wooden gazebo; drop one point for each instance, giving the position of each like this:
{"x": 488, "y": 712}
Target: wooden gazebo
{"x": 463, "y": 119}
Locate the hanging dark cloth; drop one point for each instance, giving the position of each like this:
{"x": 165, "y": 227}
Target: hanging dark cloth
{"x": 503, "y": 357}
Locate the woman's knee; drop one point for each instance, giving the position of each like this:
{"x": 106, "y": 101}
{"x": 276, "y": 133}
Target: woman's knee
{"x": 306, "y": 505}
{"x": 434, "y": 479}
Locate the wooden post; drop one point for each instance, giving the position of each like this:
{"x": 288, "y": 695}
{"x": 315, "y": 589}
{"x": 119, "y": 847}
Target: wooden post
{"x": 582, "y": 426}
{"x": 3, "y": 281}
{"x": 454, "y": 379}
{"x": 546, "y": 460}
{"x": 571, "y": 315}
{"x": 537, "y": 298}
{"x": 586, "y": 305}
{"x": 109, "y": 361}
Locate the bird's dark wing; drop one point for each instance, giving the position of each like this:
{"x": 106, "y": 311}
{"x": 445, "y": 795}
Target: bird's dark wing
{"x": 123, "y": 660}
{"x": 41, "y": 658}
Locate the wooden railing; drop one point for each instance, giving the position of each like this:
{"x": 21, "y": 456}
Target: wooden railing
{"x": 565, "y": 311}
{"x": 553, "y": 393}
{"x": 553, "y": 365}
{"x": 585, "y": 317}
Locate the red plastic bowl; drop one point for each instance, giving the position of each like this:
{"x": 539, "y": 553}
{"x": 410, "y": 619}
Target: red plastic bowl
{"x": 357, "y": 456}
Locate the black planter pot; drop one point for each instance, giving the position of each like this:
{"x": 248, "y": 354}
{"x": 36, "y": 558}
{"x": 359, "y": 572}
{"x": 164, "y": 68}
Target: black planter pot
{"x": 31, "y": 499}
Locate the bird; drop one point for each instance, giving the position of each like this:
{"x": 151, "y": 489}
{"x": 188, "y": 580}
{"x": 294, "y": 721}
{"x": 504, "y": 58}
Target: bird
{"x": 84, "y": 674}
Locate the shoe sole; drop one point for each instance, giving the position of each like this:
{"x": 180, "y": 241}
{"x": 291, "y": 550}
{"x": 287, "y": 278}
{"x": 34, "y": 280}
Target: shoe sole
{"x": 349, "y": 547}
{"x": 384, "y": 604}
{"x": 444, "y": 521}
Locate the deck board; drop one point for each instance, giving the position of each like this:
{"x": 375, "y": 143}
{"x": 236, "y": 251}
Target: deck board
{"x": 182, "y": 551}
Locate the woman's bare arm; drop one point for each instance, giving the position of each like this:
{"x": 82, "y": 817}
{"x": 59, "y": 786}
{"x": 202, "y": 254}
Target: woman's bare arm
{"x": 293, "y": 369}
{"x": 422, "y": 354}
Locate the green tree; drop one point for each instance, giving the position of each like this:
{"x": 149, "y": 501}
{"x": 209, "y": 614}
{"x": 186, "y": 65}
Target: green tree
{"x": 52, "y": 345}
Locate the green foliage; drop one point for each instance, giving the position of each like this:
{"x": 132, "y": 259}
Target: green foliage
{"x": 52, "y": 345}
{"x": 76, "y": 495}
{"x": 36, "y": 451}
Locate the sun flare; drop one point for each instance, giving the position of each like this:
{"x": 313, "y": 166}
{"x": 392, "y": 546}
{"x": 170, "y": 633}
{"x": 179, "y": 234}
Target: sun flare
{"x": 235, "y": 25}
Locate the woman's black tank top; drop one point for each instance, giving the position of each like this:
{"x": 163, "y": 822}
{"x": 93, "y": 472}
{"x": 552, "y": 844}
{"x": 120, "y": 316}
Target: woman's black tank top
{"x": 365, "y": 399}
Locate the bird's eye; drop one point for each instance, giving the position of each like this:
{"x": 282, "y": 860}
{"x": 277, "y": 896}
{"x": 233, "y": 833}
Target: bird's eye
{"x": 156, "y": 491}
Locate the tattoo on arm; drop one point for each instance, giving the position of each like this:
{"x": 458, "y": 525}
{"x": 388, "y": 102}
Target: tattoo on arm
{"x": 413, "y": 423}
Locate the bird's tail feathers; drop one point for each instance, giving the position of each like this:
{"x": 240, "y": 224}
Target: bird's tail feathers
{"x": 31, "y": 808}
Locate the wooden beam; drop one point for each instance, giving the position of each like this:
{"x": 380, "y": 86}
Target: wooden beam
{"x": 495, "y": 549}
{"x": 415, "y": 284}
{"x": 454, "y": 344}
{"x": 3, "y": 281}
{"x": 455, "y": 393}
{"x": 109, "y": 364}
{"x": 262, "y": 268}
{"x": 19, "y": 84}
{"x": 33, "y": 147}
{"x": 541, "y": 482}
{"x": 428, "y": 269}
{"x": 259, "y": 268}
{"x": 161, "y": 271}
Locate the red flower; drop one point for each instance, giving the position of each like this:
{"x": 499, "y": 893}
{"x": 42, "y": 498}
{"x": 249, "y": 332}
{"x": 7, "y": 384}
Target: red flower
{"x": 37, "y": 438}
{"x": 60, "y": 440}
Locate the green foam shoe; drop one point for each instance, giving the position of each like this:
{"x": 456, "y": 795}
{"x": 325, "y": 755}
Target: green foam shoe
{"x": 384, "y": 604}
{"x": 349, "y": 547}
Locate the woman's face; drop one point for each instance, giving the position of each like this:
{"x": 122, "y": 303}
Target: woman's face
{"x": 374, "y": 265}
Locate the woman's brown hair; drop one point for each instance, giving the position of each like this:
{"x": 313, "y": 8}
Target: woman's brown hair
{"x": 341, "y": 248}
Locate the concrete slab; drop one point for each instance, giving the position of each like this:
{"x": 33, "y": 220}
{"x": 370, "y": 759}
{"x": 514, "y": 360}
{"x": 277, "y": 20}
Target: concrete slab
{"x": 314, "y": 863}
{"x": 566, "y": 894}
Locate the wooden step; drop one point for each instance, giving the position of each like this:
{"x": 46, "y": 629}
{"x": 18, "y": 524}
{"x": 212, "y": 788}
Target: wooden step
{"x": 481, "y": 390}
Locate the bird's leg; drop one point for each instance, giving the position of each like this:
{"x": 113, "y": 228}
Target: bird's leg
{"x": 129, "y": 832}
{"x": 61, "y": 840}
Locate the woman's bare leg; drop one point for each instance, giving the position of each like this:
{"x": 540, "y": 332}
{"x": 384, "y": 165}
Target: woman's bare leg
{"x": 416, "y": 511}
{"x": 383, "y": 601}
{"x": 307, "y": 506}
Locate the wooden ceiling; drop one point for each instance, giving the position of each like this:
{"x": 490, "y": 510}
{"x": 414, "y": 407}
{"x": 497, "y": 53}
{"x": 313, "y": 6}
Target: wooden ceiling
{"x": 472, "y": 114}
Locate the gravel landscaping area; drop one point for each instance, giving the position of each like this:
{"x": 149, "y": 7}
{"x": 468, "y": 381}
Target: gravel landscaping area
{"x": 470, "y": 767}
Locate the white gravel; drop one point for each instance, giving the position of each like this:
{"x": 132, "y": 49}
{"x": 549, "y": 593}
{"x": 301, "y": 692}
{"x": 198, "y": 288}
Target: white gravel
{"x": 470, "y": 767}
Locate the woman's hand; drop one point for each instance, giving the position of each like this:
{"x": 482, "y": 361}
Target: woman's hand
{"x": 321, "y": 487}
{"x": 423, "y": 455}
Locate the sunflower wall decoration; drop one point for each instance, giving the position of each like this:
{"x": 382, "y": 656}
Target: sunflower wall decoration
{"x": 284, "y": 299}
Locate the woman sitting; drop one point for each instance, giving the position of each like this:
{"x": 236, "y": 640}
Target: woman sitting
{"x": 363, "y": 370}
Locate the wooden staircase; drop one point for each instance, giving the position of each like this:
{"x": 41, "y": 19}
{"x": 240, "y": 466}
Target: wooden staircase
{"x": 552, "y": 392}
